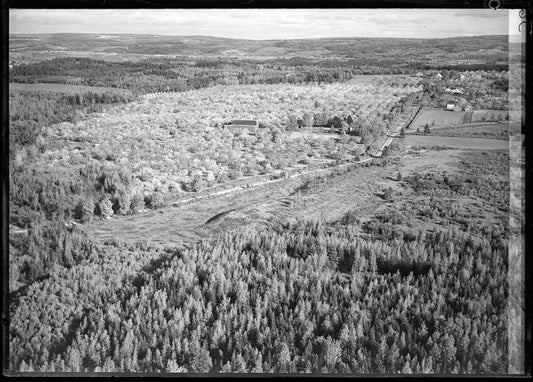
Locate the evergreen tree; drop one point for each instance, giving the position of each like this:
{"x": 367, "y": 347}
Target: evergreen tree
{"x": 157, "y": 200}
{"x": 85, "y": 210}
{"x": 105, "y": 207}
{"x": 137, "y": 203}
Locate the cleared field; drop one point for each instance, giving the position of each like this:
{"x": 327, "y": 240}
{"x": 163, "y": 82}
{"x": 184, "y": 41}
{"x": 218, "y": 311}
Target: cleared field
{"x": 364, "y": 78}
{"x": 315, "y": 133}
{"x": 438, "y": 117}
{"x": 318, "y": 197}
{"x": 456, "y": 142}
{"x": 311, "y": 197}
{"x": 434, "y": 117}
{"x": 492, "y": 130}
{"x": 63, "y": 88}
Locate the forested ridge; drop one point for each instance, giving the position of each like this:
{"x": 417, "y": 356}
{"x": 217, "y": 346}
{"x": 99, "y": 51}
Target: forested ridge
{"x": 487, "y": 49}
{"x": 148, "y": 76}
{"x": 174, "y": 75}
{"x": 388, "y": 295}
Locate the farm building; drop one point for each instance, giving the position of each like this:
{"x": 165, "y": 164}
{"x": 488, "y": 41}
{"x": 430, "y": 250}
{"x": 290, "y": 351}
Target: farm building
{"x": 453, "y": 107}
{"x": 438, "y": 76}
{"x": 248, "y": 124}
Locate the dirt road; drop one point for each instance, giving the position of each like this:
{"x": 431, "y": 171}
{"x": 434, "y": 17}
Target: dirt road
{"x": 301, "y": 197}
{"x": 258, "y": 203}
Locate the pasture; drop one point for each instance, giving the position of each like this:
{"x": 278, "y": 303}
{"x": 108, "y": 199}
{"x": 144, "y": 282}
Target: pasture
{"x": 456, "y": 142}
{"x": 440, "y": 117}
{"x": 435, "y": 117}
{"x": 315, "y": 132}
{"x": 492, "y": 130}
{"x": 65, "y": 88}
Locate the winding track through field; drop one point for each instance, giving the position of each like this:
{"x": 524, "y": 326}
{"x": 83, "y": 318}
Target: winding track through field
{"x": 250, "y": 204}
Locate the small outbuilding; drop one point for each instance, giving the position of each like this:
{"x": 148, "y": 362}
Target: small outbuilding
{"x": 453, "y": 107}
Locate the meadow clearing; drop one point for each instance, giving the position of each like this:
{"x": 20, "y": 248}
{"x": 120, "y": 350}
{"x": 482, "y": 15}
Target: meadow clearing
{"x": 491, "y": 130}
{"x": 457, "y": 142}
{"x": 440, "y": 117}
{"x": 64, "y": 88}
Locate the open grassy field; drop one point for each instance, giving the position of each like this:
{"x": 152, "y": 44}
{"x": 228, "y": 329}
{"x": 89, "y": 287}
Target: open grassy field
{"x": 290, "y": 200}
{"x": 435, "y": 117}
{"x": 64, "y": 88}
{"x": 287, "y": 201}
{"x": 440, "y": 117}
{"x": 481, "y": 130}
{"x": 314, "y": 133}
{"x": 383, "y": 78}
{"x": 457, "y": 142}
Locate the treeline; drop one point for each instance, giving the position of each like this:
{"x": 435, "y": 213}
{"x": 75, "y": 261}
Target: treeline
{"x": 139, "y": 77}
{"x": 92, "y": 98}
{"x": 365, "y": 65}
{"x": 30, "y": 112}
{"x": 464, "y": 67}
{"x": 147, "y": 77}
{"x": 54, "y": 196}
{"x": 178, "y": 75}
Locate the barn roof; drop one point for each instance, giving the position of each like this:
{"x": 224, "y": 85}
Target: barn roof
{"x": 244, "y": 122}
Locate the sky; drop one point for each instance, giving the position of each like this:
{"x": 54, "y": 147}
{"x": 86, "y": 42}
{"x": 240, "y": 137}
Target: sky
{"x": 259, "y": 24}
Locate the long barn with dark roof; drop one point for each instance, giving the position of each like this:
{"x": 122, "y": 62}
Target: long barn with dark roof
{"x": 248, "y": 124}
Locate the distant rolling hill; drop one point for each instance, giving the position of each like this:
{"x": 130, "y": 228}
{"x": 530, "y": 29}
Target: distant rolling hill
{"x": 477, "y": 47}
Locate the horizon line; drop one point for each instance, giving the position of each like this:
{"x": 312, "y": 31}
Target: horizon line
{"x": 265, "y": 39}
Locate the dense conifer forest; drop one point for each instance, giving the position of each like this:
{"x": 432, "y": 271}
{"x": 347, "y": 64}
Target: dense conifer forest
{"x": 381, "y": 296}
